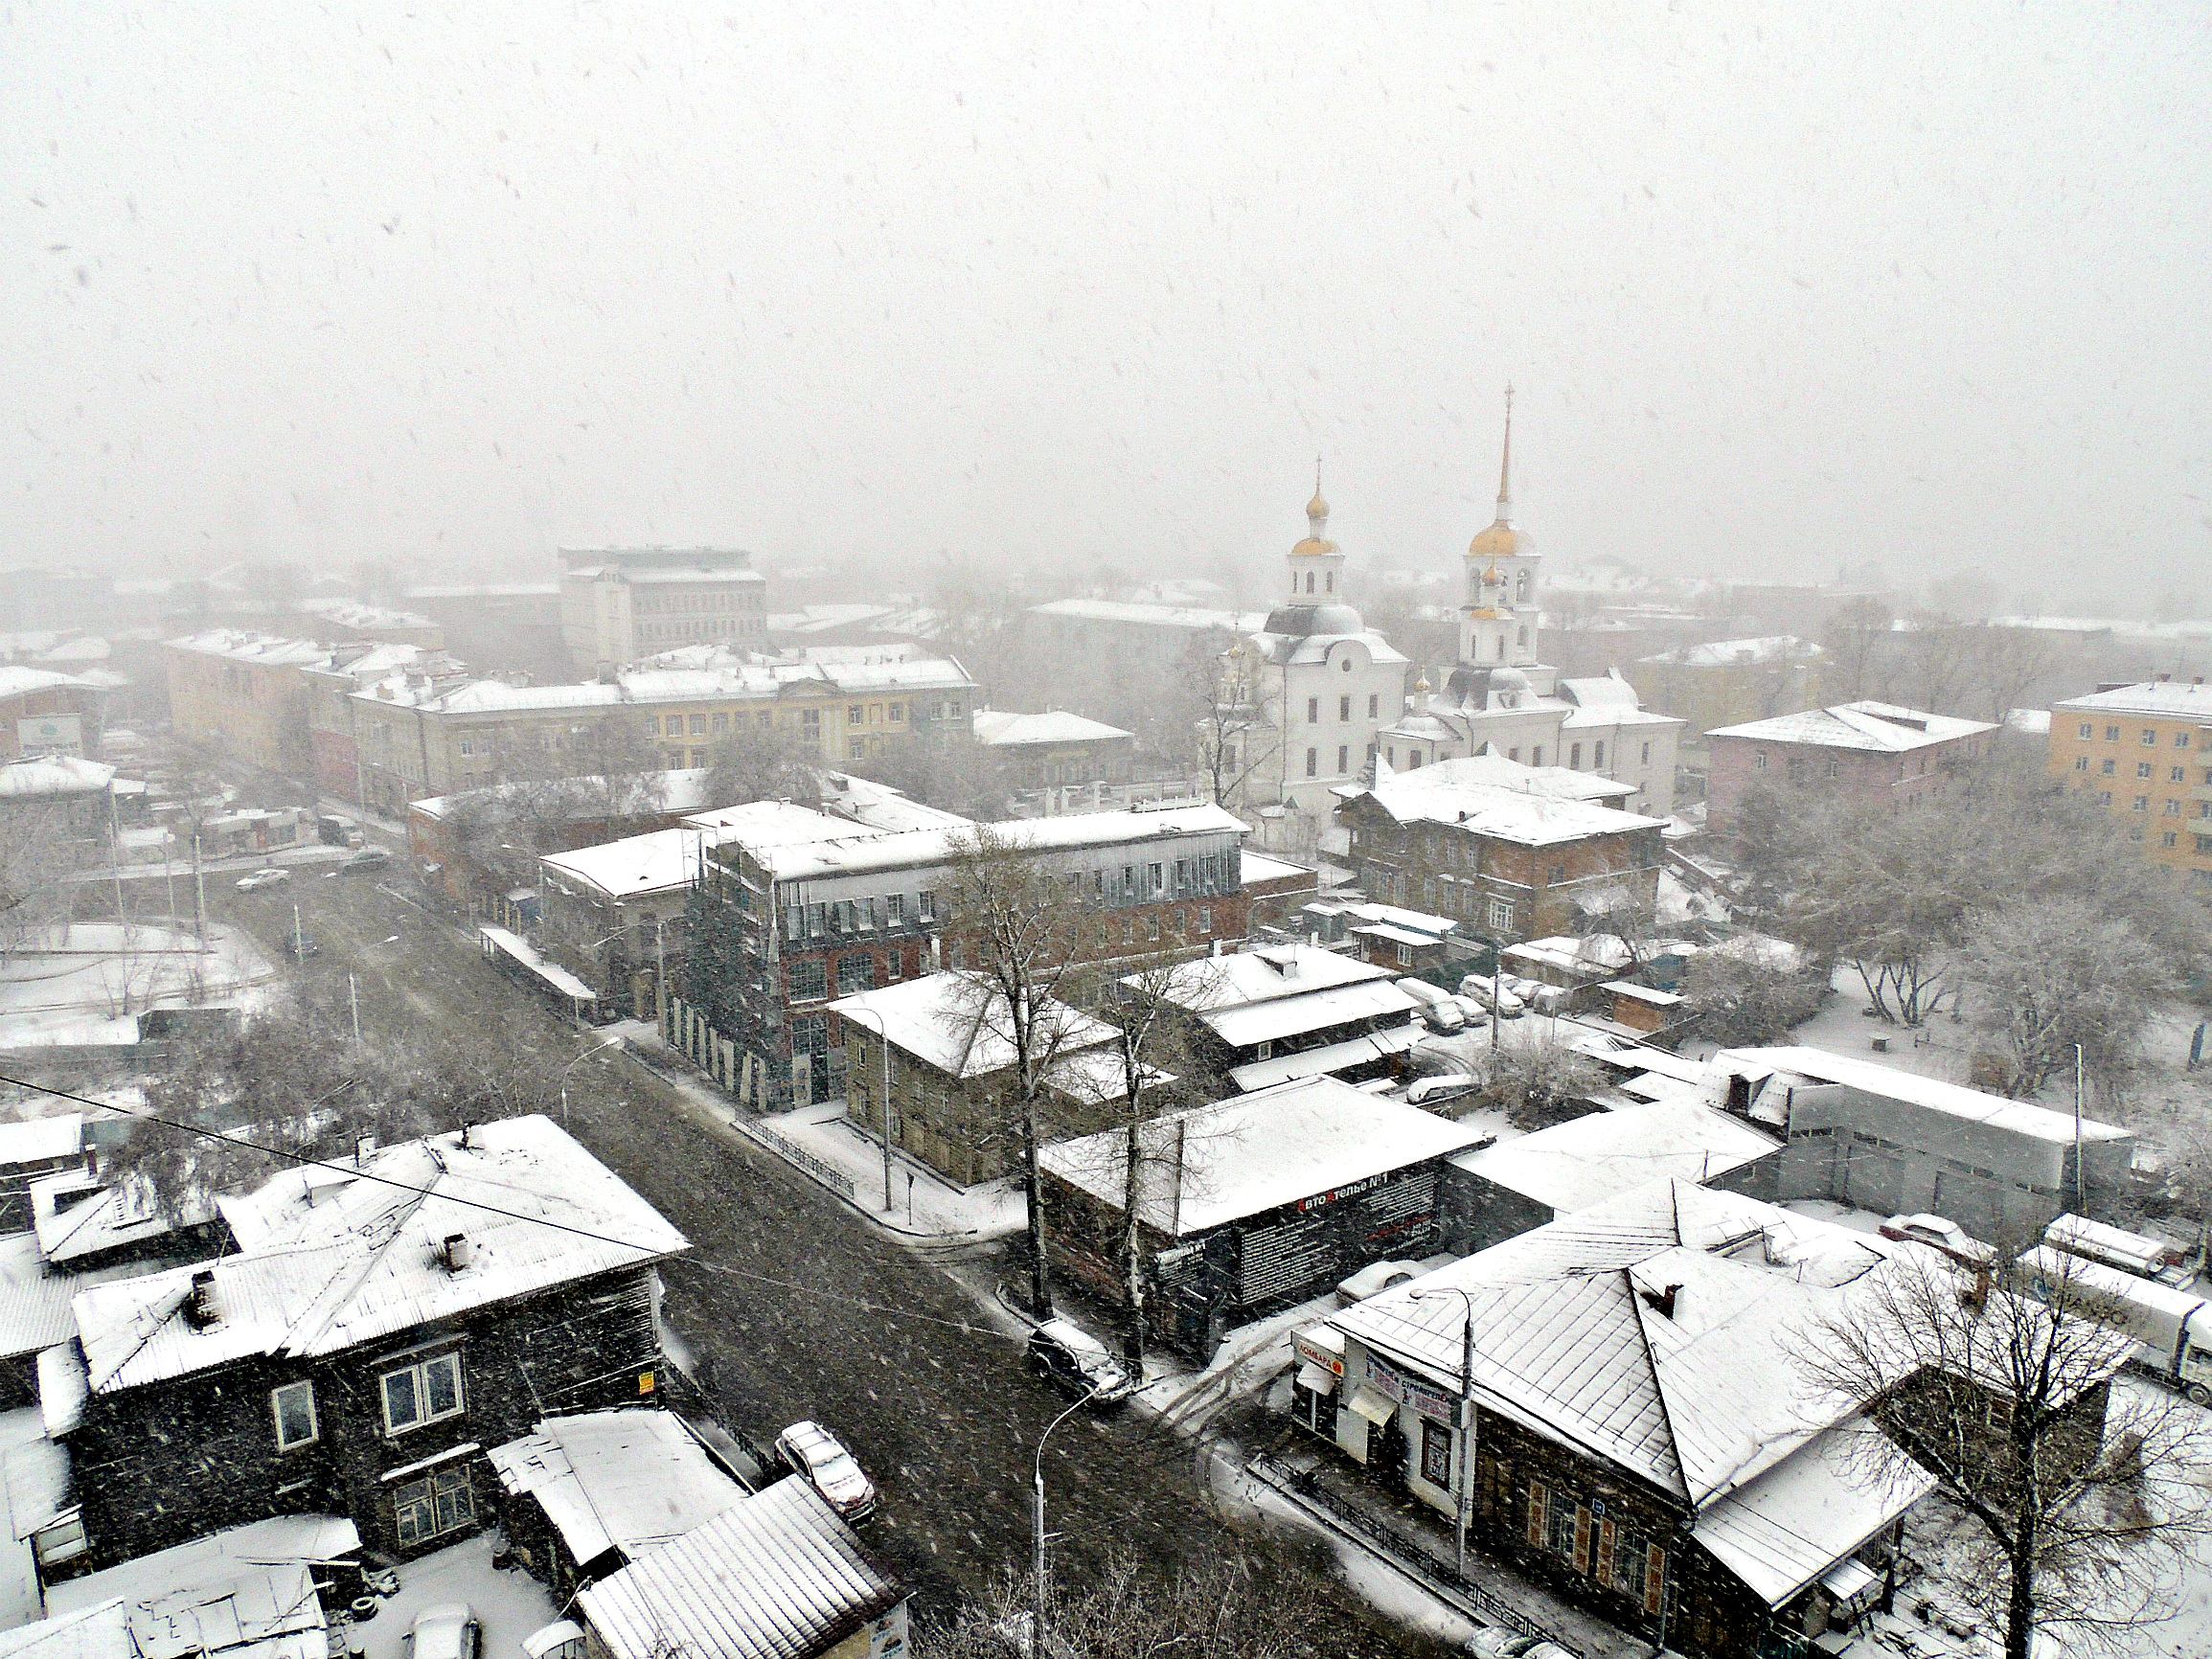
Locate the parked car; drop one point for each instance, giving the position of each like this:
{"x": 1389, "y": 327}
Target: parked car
{"x": 261, "y": 878}
{"x": 447, "y": 1630}
{"x": 1939, "y": 1233}
{"x": 1496, "y": 1642}
{"x": 1374, "y": 1279}
{"x": 810, "y": 1450}
{"x": 1433, "y": 1092}
{"x": 1444, "y": 1016}
{"x": 1078, "y": 1364}
{"x": 299, "y": 946}
{"x": 368, "y": 859}
{"x": 1479, "y": 987}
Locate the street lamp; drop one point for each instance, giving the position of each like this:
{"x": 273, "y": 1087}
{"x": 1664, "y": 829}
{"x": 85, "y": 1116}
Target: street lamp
{"x": 1466, "y": 1494}
{"x": 595, "y": 1049}
{"x": 883, "y": 1039}
{"x": 1037, "y": 1540}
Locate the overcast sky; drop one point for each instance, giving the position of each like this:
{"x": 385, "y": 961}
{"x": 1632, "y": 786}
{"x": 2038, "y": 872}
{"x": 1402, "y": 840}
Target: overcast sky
{"x": 1779, "y": 286}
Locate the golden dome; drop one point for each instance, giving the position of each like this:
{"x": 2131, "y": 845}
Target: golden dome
{"x": 1316, "y": 508}
{"x": 1313, "y": 547}
{"x": 1499, "y": 542}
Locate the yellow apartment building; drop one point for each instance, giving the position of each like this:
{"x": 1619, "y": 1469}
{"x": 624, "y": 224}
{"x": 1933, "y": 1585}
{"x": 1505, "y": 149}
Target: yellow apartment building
{"x": 2146, "y": 750}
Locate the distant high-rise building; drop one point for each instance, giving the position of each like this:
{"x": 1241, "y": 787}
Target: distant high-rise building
{"x": 619, "y": 605}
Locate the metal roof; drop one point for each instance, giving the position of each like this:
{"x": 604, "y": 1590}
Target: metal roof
{"x": 778, "y": 1575}
{"x": 632, "y": 1479}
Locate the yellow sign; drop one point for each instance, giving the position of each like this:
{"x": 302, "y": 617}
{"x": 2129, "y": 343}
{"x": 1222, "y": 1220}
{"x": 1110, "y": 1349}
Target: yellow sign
{"x": 644, "y": 1382}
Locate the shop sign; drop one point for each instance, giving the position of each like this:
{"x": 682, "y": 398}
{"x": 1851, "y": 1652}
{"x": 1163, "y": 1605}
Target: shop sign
{"x": 1385, "y": 1381}
{"x": 1314, "y": 1353}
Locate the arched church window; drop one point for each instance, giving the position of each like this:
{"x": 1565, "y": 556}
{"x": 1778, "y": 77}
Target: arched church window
{"x": 1309, "y": 582}
{"x": 1524, "y": 636}
{"x": 1330, "y": 584}
{"x": 1521, "y": 588}
{"x": 1502, "y": 647}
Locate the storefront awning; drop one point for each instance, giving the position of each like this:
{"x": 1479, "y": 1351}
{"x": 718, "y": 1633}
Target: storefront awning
{"x": 1377, "y": 1408}
{"x": 1314, "y": 1379}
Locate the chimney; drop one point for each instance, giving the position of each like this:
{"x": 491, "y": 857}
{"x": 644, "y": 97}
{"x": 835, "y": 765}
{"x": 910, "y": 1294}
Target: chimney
{"x": 1661, "y": 1302}
{"x": 457, "y": 1251}
{"x": 199, "y": 1304}
{"x": 1978, "y": 1297}
{"x": 364, "y": 1150}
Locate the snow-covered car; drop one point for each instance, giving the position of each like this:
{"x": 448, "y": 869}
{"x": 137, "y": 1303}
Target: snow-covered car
{"x": 1078, "y": 1364}
{"x": 368, "y": 859}
{"x": 1444, "y": 1016}
{"x": 261, "y": 878}
{"x": 1374, "y": 1279}
{"x": 447, "y": 1630}
{"x": 1434, "y": 1092}
{"x": 1507, "y": 1005}
{"x": 1939, "y": 1233}
{"x": 1496, "y": 1642}
{"x": 811, "y": 1451}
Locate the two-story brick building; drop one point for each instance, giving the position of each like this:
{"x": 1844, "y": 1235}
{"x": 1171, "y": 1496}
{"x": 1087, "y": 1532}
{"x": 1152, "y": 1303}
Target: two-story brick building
{"x": 789, "y": 927}
{"x": 2145, "y": 750}
{"x": 1866, "y": 754}
{"x": 381, "y": 1320}
{"x": 1506, "y": 863}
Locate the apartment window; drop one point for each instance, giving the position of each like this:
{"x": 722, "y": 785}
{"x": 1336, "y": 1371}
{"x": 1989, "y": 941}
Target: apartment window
{"x": 294, "y": 1406}
{"x": 1313, "y": 761}
{"x": 1155, "y": 872}
{"x": 2104, "y": 797}
{"x": 2142, "y": 803}
{"x": 2142, "y": 768}
{"x": 2177, "y": 774}
{"x": 2169, "y": 838}
{"x": 925, "y": 905}
{"x": 1647, "y": 754}
{"x": 767, "y": 719}
{"x": 698, "y": 725}
{"x": 698, "y": 757}
{"x": 1343, "y": 757}
{"x": 1835, "y": 768}
{"x": 897, "y": 712}
{"x": 467, "y": 746}
{"x": 2087, "y": 731}
{"x": 1312, "y": 710}
{"x": 721, "y": 723}
{"x": 418, "y": 1394}
{"x": 854, "y": 715}
{"x": 808, "y": 982}
{"x": 856, "y": 974}
{"x": 2111, "y": 734}
{"x": 2204, "y": 843}
{"x": 2081, "y": 763}
{"x": 895, "y": 910}
{"x": 1205, "y": 919}
{"x": 674, "y": 726}
{"x": 2173, "y": 809}
{"x": 2105, "y": 767}
{"x": 2149, "y": 737}
{"x": 1556, "y": 874}
{"x": 817, "y": 917}
{"x": 1501, "y": 914}
{"x": 440, "y": 1503}
{"x": 2180, "y": 740}
{"x": 895, "y": 967}
{"x": 810, "y": 721}
{"x": 1152, "y": 925}
{"x": 1536, "y": 756}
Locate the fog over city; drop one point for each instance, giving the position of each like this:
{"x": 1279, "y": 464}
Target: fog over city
{"x": 1781, "y": 289}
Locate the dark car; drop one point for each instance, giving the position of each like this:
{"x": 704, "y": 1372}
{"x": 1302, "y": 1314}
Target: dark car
{"x": 368, "y": 859}
{"x": 1074, "y": 1362}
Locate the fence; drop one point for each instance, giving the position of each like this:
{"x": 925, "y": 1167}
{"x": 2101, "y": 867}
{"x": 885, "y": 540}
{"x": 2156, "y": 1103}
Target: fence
{"x": 1310, "y": 1491}
{"x": 783, "y": 1146}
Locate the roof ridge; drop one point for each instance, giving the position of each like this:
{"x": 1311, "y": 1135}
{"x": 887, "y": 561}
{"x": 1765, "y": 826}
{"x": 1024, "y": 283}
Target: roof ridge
{"x": 298, "y": 1336}
{"x": 1651, "y": 1362}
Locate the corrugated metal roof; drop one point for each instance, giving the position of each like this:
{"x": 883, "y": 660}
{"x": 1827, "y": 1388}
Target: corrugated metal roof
{"x": 632, "y": 1479}
{"x": 361, "y": 1259}
{"x": 1285, "y": 1016}
{"x": 775, "y": 1577}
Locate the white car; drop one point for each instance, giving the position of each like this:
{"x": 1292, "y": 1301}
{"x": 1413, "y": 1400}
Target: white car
{"x": 810, "y": 1450}
{"x": 1374, "y": 1279}
{"x": 1434, "y": 1092}
{"x": 261, "y": 878}
{"x": 449, "y": 1630}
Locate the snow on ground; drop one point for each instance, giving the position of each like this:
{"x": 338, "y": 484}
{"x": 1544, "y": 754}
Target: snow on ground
{"x": 988, "y": 1210}
{"x": 511, "y": 1604}
{"x": 77, "y": 986}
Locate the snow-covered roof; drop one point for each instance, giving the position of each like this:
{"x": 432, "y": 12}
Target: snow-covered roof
{"x": 1525, "y": 816}
{"x": 329, "y": 1259}
{"x": 1245, "y": 977}
{"x": 1559, "y": 782}
{"x": 683, "y": 790}
{"x": 775, "y": 1576}
{"x": 1167, "y": 616}
{"x": 921, "y": 848}
{"x": 952, "y": 1021}
{"x": 16, "y": 680}
{"x": 241, "y": 644}
{"x": 2032, "y": 722}
{"x": 2163, "y": 699}
{"x": 77, "y": 1215}
{"x": 353, "y": 613}
{"x": 1312, "y": 1011}
{"x": 1728, "y": 653}
{"x": 1004, "y": 729}
{"x": 1332, "y": 1057}
{"x": 35, "y": 1303}
{"x": 640, "y": 866}
{"x": 631, "y": 1479}
{"x": 279, "y": 1540}
{"x": 1260, "y": 867}
{"x": 1254, "y": 1152}
{"x": 1587, "y": 1160}
{"x": 1575, "y": 1335}
{"x": 1957, "y": 1099}
{"x": 1882, "y": 727}
{"x": 728, "y": 676}
{"x": 1583, "y": 954}
{"x": 47, "y": 775}
{"x": 41, "y": 1140}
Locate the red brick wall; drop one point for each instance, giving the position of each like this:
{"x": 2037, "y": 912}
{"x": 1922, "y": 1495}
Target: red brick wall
{"x": 1864, "y": 778}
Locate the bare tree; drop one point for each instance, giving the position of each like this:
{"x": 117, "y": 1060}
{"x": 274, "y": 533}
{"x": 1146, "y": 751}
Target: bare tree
{"x": 763, "y": 763}
{"x": 2003, "y": 664}
{"x": 1855, "y": 636}
{"x": 1014, "y": 926}
{"x": 36, "y": 856}
{"x": 1532, "y": 1080}
{"x": 1221, "y": 724}
{"x": 2052, "y": 972}
{"x": 1740, "y": 1004}
{"x": 2001, "y": 1385}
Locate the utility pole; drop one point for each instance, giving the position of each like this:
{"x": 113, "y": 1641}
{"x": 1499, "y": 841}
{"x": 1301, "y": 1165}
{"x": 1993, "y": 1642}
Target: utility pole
{"x": 354, "y": 1005}
{"x": 1036, "y": 1531}
{"x": 200, "y": 884}
{"x": 2078, "y": 1201}
{"x": 1465, "y": 1494}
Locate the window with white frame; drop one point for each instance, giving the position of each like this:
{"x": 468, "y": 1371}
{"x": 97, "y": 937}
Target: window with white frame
{"x": 422, "y": 1393}
{"x": 1501, "y": 913}
{"x": 294, "y": 1408}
